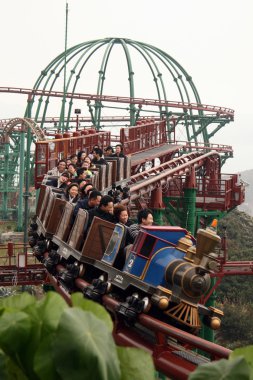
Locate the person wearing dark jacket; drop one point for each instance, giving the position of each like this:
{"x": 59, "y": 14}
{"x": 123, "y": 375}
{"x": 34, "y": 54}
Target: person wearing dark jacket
{"x": 98, "y": 157}
{"x": 104, "y": 210}
{"x": 88, "y": 203}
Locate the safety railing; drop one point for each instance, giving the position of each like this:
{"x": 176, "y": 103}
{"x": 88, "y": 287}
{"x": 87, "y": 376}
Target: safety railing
{"x": 47, "y": 153}
{"x": 144, "y": 136}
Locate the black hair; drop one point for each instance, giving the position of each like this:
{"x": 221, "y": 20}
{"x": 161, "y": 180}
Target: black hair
{"x": 94, "y": 194}
{"x": 98, "y": 151}
{"x": 79, "y": 154}
{"x": 72, "y": 156}
{"x": 80, "y": 171}
{"x": 109, "y": 147}
{"x": 143, "y": 214}
{"x": 61, "y": 161}
{"x": 105, "y": 200}
{"x": 70, "y": 186}
{"x": 88, "y": 184}
{"x": 65, "y": 174}
{"x": 120, "y": 145}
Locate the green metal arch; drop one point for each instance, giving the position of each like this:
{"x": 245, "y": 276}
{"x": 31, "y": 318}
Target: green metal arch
{"x": 161, "y": 65}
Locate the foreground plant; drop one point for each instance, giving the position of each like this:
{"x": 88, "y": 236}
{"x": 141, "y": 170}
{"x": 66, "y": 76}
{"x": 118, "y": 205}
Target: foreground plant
{"x": 48, "y": 340}
{"x": 239, "y": 366}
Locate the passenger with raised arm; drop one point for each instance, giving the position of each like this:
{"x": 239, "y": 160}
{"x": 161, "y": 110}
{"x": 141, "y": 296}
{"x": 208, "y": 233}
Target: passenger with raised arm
{"x": 71, "y": 193}
{"x": 84, "y": 190}
{"x": 144, "y": 218}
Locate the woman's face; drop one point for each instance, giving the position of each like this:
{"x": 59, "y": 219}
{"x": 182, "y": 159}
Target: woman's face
{"x": 83, "y": 155}
{"x": 73, "y": 191}
{"x": 123, "y": 217}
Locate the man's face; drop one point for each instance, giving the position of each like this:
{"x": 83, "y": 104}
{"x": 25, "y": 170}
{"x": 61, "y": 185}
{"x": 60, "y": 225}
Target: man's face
{"x": 95, "y": 201}
{"x": 108, "y": 208}
{"x": 61, "y": 167}
{"x": 148, "y": 221}
{"x": 117, "y": 149}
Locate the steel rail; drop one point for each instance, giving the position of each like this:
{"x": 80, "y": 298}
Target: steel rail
{"x": 148, "y": 179}
{"x": 122, "y": 99}
{"x": 169, "y": 340}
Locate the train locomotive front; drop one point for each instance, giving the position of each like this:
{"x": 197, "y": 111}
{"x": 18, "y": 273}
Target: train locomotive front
{"x": 177, "y": 272}
{"x": 165, "y": 273}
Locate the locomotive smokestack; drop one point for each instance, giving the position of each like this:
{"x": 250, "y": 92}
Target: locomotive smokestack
{"x": 207, "y": 240}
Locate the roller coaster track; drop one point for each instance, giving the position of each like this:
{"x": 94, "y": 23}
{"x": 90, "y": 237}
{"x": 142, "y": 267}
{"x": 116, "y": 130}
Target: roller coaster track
{"x": 148, "y": 180}
{"x": 171, "y": 348}
{"x": 120, "y": 99}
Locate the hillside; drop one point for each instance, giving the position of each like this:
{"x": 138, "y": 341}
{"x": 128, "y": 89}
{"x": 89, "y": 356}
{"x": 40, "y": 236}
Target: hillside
{"x": 247, "y": 206}
{"x": 234, "y": 294}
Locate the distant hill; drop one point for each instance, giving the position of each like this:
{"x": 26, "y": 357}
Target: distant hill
{"x": 247, "y": 206}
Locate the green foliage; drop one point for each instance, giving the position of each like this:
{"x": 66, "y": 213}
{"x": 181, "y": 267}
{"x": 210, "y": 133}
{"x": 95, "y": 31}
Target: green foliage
{"x": 235, "y": 295}
{"x": 131, "y": 368}
{"x": 223, "y": 369}
{"x": 236, "y": 329}
{"x": 48, "y": 340}
{"x": 238, "y": 366}
{"x": 87, "y": 305}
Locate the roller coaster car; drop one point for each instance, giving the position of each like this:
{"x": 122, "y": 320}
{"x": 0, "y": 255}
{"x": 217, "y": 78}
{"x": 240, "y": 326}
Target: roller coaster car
{"x": 164, "y": 273}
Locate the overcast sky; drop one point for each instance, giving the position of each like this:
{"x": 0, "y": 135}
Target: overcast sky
{"x": 212, "y": 40}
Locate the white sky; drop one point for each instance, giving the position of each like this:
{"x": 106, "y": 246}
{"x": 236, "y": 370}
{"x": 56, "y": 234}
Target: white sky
{"x": 212, "y": 40}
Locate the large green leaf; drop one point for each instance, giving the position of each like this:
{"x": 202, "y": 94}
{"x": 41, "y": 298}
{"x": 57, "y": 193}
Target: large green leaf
{"x": 44, "y": 366}
{"x": 3, "y": 366}
{"x": 135, "y": 364}
{"x": 15, "y": 331}
{"x": 236, "y": 369}
{"x": 45, "y": 316}
{"x": 84, "y": 348}
{"x": 87, "y": 305}
{"x": 9, "y": 370}
{"x": 18, "y": 302}
{"x": 247, "y": 353}
{"x": 50, "y": 309}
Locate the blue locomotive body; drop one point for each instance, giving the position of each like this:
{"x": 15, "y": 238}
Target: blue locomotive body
{"x": 153, "y": 250}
